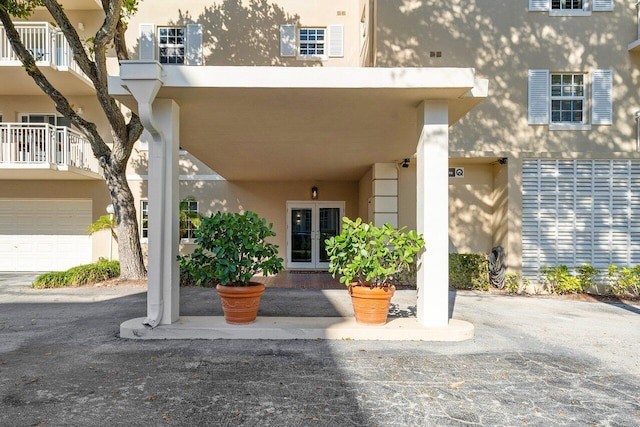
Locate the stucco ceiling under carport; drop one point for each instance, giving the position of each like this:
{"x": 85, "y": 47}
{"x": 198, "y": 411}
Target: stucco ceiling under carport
{"x": 278, "y": 124}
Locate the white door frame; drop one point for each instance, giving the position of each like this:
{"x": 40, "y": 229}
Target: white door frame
{"x": 315, "y": 232}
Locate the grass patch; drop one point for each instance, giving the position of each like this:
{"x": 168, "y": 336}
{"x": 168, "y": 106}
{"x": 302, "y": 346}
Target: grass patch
{"x": 78, "y": 276}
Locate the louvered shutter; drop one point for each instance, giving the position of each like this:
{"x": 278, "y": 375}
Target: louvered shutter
{"x": 601, "y": 102}
{"x": 287, "y": 40}
{"x": 193, "y": 54}
{"x": 602, "y": 5}
{"x": 147, "y": 42}
{"x": 538, "y": 5}
{"x": 538, "y": 97}
{"x": 576, "y": 212}
{"x": 336, "y": 41}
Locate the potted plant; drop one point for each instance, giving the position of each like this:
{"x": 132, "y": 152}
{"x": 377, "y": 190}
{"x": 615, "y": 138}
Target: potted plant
{"x": 232, "y": 249}
{"x": 367, "y": 257}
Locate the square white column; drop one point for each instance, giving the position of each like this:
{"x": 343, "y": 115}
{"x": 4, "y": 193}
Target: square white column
{"x": 433, "y": 213}
{"x": 167, "y": 117}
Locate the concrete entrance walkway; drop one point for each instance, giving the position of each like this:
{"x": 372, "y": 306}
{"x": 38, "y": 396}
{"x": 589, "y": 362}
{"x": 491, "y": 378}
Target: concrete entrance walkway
{"x": 533, "y": 361}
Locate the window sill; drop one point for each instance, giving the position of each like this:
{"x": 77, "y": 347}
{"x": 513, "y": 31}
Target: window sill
{"x": 311, "y": 58}
{"x": 556, "y": 12}
{"x": 569, "y": 126}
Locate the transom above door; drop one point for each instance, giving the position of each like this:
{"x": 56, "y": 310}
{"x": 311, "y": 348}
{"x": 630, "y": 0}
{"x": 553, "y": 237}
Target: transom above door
{"x": 309, "y": 224}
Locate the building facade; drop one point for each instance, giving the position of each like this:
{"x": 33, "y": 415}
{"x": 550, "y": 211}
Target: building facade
{"x": 546, "y": 166}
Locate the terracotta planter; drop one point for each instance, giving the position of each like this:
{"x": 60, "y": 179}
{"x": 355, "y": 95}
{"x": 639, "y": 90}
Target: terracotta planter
{"x": 371, "y": 306}
{"x": 240, "y": 303}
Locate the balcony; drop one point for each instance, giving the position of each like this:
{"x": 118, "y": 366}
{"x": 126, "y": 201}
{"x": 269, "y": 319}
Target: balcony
{"x": 52, "y": 54}
{"x": 44, "y": 151}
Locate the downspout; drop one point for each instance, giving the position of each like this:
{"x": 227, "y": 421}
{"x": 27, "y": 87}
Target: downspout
{"x": 143, "y": 80}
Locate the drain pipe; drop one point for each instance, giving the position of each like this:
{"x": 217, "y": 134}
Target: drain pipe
{"x": 143, "y": 80}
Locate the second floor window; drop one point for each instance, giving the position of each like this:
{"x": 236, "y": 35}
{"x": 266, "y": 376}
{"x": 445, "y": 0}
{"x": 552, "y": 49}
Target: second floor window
{"x": 567, "y": 4}
{"x": 568, "y": 98}
{"x": 171, "y": 45}
{"x": 312, "y": 41}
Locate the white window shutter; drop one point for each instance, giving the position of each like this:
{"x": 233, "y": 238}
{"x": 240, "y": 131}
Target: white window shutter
{"x": 539, "y": 5}
{"x": 538, "y": 98}
{"x": 601, "y": 97}
{"x": 147, "y": 42}
{"x": 336, "y": 41}
{"x": 602, "y": 5}
{"x": 287, "y": 40}
{"x": 193, "y": 54}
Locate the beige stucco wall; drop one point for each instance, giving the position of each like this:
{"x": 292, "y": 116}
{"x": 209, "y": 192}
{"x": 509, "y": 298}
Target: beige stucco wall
{"x": 267, "y": 199}
{"x": 502, "y": 41}
{"x": 365, "y": 191}
{"x": 247, "y": 33}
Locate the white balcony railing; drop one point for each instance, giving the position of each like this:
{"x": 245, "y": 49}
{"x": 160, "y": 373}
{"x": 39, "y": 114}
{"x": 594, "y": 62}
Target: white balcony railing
{"x": 45, "y": 42}
{"x": 42, "y": 143}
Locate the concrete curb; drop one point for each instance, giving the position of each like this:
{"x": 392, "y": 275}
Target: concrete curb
{"x": 291, "y": 328}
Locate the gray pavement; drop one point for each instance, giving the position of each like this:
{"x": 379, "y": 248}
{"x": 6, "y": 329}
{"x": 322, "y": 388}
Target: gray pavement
{"x": 533, "y": 361}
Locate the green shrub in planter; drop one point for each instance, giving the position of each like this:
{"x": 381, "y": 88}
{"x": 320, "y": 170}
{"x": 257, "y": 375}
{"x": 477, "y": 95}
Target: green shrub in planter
{"x": 370, "y": 255}
{"x": 468, "y": 271}
{"x": 232, "y": 248}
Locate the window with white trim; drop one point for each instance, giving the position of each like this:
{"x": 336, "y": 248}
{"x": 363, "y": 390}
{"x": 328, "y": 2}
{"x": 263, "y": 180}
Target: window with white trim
{"x": 171, "y": 45}
{"x": 311, "y": 43}
{"x": 188, "y": 213}
{"x": 570, "y": 101}
{"x": 571, "y": 7}
{"x": 144, "y": 219}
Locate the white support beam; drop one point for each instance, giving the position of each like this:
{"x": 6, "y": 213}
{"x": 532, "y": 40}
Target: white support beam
{"x": 432, "y": 213}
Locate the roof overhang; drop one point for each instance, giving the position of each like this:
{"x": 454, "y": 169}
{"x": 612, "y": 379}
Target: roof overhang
{"x": 14, "y": 80}
{"x": 294, "y": 123}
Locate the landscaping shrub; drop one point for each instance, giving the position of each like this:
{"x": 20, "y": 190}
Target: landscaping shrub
{"x": 587, "y": 275}
{"x": 468, "y": 271}
{"x": 560, "y": 281}
{"x": 624, "y": 281}
{"x": 514, "y": 283}
{"x": 78, "y": 276}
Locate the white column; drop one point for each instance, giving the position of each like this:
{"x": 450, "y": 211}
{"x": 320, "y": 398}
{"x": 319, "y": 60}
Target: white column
{"x": 167, "y": 116}
{"x": 161, "y": 122}
{"x": 432, "y": 212}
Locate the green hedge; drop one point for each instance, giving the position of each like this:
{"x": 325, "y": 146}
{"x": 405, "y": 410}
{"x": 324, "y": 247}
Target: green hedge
{"x": 78, "y": 276}
{"x": 469, "y": 271}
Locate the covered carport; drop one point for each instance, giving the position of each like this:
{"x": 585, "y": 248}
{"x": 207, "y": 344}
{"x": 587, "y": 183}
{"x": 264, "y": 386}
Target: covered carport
{"x": 278, "y": 124}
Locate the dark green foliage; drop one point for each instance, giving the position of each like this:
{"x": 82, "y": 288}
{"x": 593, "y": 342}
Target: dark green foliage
{"x": 232, "y": 249}
{"x": 371, "y": 255}
{"x": 469, "y": 271}
{"x": 79, "y": 276}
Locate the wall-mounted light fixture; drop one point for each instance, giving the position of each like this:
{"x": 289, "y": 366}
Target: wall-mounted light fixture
{"x": 81, "y": 26}
{"x": 503, "y": 160}
{"x": 405, "y": 163}
{"x": 314, "y": 193}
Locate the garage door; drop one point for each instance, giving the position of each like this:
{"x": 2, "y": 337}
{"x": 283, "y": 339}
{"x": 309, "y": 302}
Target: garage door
{"x": 44, "y": 235}
{"x": 580, "y": 211}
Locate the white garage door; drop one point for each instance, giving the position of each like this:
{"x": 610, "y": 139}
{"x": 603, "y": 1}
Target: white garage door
{"x": 576, "y": 212}
{"x": 44, "y": 234}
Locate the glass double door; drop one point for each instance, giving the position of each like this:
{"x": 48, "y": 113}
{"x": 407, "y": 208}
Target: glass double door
{"x": 309, "y": 224}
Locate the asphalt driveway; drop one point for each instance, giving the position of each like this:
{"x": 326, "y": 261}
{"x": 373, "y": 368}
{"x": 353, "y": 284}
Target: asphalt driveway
{"x": 533, "y": 361}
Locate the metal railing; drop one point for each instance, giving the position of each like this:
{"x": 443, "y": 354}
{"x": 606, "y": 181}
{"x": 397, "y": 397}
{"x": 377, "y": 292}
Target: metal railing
{"x": 45, "y": 42}
{"x": 29, "y": 143}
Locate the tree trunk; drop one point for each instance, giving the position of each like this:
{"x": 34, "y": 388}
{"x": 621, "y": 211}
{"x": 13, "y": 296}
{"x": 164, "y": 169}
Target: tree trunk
{"x": 129, "y": 250}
